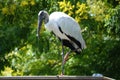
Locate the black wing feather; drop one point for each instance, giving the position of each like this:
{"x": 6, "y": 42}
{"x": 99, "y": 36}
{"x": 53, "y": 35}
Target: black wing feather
{"x": 68, "y": 43}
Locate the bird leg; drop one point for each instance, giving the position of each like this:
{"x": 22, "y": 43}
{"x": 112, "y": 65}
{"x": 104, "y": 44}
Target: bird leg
{"x": 62, "y": 58}
{"x": 67, "y": 54}
{"x": 66, "y": 57}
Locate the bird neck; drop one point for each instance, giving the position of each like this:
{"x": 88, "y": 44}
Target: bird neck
{"x": 46, "y": 19}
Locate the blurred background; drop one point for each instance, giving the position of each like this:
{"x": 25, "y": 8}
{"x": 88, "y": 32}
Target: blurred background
{"x": 21, "y": 55}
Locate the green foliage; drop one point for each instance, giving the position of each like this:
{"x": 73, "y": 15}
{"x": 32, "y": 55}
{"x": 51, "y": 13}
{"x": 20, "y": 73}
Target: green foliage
{"x": 21, "y": 53}
{"x": 112, "y": 22}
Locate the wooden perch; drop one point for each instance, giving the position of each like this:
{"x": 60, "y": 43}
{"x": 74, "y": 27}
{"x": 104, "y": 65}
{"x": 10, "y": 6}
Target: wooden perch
{"x": 54, "y": 78}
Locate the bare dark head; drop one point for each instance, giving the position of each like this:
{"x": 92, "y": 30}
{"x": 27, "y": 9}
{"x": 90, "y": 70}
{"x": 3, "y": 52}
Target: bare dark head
{"x": 42, "y": 16}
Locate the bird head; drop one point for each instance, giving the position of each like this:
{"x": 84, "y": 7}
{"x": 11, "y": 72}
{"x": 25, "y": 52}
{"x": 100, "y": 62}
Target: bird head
{"x": 42, "y": 16}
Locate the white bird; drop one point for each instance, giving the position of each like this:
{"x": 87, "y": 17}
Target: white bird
{"x": 65, "y": 28}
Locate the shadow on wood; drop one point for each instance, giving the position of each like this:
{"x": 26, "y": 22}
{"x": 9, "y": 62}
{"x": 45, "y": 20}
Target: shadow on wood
{"x": 54, "y": 78}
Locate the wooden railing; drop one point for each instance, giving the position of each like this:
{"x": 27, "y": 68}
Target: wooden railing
{"x": 54, "y": 78}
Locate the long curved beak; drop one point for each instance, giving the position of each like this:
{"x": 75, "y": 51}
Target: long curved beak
{"x": 39, "y": 26}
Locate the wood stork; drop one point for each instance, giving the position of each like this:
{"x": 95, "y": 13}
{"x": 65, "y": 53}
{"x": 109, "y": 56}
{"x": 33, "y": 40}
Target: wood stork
{"x": 65, "y": 28}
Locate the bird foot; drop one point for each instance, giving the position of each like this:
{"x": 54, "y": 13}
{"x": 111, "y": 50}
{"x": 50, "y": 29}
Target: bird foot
{"x": 61, "y": 74}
